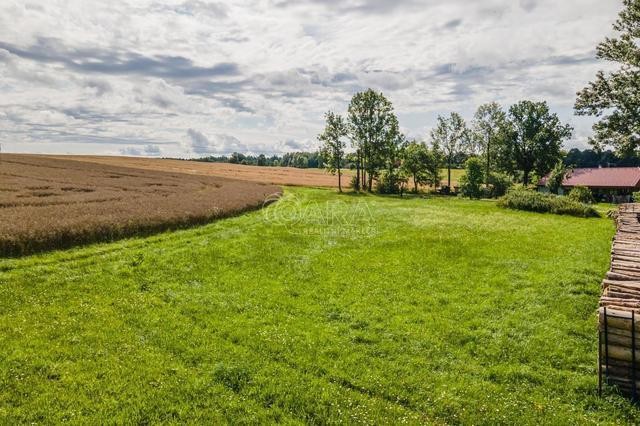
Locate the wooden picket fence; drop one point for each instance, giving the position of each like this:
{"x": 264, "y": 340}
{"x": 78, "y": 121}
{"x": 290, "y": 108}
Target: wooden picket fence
{"x": 619, "y": 314}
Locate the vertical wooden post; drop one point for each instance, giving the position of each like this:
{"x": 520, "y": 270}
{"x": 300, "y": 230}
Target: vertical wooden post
{"x": 600, "y": 363}
{"x": 606, "y": 347}
{"x": 634, "y": 390}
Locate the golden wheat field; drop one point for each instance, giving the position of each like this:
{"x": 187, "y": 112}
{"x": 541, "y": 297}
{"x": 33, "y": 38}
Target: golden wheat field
{"x": 50, "y": 203}
{"x": 275, "y": 175}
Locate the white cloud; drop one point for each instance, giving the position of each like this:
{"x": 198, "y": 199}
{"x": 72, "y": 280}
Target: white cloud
{"x": 218, "y": 144}
{"x": 147, "y": 151}
{"x": 256, "y": 75}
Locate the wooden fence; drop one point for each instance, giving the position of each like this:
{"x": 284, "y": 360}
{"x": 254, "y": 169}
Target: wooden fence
{"x": 619, "y": 317}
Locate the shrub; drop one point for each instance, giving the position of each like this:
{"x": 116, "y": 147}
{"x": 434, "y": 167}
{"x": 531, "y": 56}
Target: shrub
{"x": 444, "y": 190}
{"x": 566, "y": 206}
{"x": 354, "y": 181}
{"x": 522, "y": 199}
{"x": 499, "y": 184}
{"x": 636, "y": 197}
{"x": 556, "y": 177}
{"x": 471, "y": 181}
{"x": 390, "y": 183}
{"x": 581, "y": 194}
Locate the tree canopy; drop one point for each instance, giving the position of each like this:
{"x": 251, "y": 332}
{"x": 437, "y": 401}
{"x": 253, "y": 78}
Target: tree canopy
{"x": 452, "y": 137}
{"x": 533, "y": 138}
{"x": 614, "y": 97}
{"x": 415, "y": 163}
{"x": 333, "y": 144}
{"x": 373, "y": 128}
{"x": 488, "y": 132}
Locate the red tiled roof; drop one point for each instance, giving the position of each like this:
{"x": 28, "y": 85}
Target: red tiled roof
{"x": 606, "y": 177}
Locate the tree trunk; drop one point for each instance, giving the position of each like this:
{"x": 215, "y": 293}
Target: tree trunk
{"x": 365, "y": 164}
{"x": 525, "y": 177}
{"x": 339, "y": 179}
{"x": 364, "y": 177}
{"x": 357, "y": 188}
{"x": 415, "y": 184}
{"x": 449, "y": 174}
{"x": 486, "y": 176}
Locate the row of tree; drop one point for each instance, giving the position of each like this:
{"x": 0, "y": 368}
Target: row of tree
{"x": 522, "y": 141}
{"x": 301, "y": 160}
{"x": 572, "y": 158}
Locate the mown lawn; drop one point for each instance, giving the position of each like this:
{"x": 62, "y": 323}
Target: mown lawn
{"x": 320, "y": 309}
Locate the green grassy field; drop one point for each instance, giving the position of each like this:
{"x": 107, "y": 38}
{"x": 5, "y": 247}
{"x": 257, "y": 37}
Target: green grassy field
{"x": 320, "y": 309}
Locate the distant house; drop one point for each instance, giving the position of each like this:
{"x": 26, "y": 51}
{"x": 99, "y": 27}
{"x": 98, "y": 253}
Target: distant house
{"x": 613, "y": 184}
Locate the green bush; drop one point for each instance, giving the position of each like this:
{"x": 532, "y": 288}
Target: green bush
{"x": 390, "y": 183}
{"x": 522, "y": 199}
{"x": 566, "y": 206}
{"x": 354, "y": 181}
{"x": 471, "y": 181}
{"x": 581, "y": 194}
{"x": 636, "y": 197}
{"x": 556, "y": 177}
{"x": 499, "y": 184}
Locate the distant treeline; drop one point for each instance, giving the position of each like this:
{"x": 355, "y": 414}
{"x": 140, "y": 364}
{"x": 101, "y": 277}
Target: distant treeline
{"x": 301, "y": 160}
{"x": 313, "y": 160}
{"x": 592, "y": 158}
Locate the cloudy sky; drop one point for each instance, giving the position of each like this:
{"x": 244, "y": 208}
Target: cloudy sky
{"x": 196, "y": 77}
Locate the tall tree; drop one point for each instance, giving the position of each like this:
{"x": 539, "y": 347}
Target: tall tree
{"x": 333, "y": 144}
{"x": 488, "y": 130}
{"x": 373, "y": 124}
{"x": 534, "y": 137}
{"x": 393, "y": 147}
{"x": 452, "y": 137}
{"x": 615, "y": 96}
{"x": 392, "y": 179}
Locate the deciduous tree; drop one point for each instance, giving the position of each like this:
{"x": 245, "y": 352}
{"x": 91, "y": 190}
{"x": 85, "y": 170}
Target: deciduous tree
{"x": 415, "y": 163}
{"x": 533, "y": 138}
{"x": 373, "y": 126}
{"x": 432, "y": 171}
{"x": 471, "y": 181}
{"x": 614, "y": 97}
{"x": 333, "y": 144}
{"x": 488, "y": 132}
{"x": 452, "y": 137}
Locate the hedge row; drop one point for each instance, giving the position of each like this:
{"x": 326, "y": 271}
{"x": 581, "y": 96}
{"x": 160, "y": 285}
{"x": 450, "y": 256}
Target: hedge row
{"x": 522, "y": 199}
